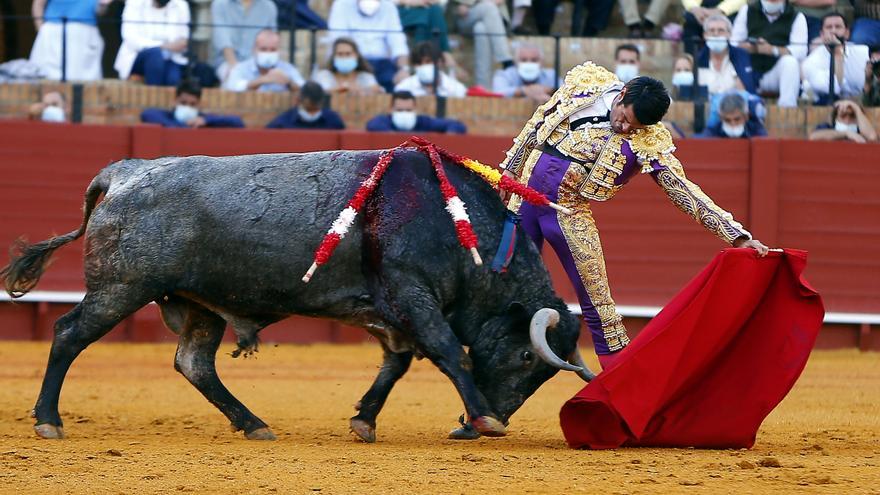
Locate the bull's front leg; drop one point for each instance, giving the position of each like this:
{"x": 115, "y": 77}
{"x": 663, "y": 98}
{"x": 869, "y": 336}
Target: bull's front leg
{"x": 394, "y": 365}
{"x": 436, "y": 340}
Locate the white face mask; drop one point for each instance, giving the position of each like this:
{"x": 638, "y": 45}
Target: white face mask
{"x": 185, "y": 113}
{"x": 404, "y": 120}
{"x": 52, "y": 114}
{"x": 842, "y": 127}
{"x": 733, "y": 131}
{"x": 267, "y": 60}
{"x": 308, "y": 117}
{"x": 716, "y": 45}
{"x": 369, "y": 7}
{"x": 772, "y": 8}
{"x": 345, "y": 65}
{"x": 528, "y": 71}
{"x": 626, "y": 72}
{"x": 425, "y": 73}
{"x": 683, "y": 79}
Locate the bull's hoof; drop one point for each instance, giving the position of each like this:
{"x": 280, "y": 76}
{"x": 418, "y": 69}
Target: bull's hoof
{"x": 364, "y": 431}
{"x": 489, "y": 426}
{"x": 50, "y": 432}
{"x": 466, "y": 432}
{"x": 260, "y": 434}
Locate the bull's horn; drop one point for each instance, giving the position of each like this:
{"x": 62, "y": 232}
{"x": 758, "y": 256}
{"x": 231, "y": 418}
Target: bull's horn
{"x": 545, "y": 318}
{"x": 576, "y": 359}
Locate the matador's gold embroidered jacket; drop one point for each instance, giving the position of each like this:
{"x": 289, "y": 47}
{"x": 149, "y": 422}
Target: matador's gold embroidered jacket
{"x": 611, "y": 159}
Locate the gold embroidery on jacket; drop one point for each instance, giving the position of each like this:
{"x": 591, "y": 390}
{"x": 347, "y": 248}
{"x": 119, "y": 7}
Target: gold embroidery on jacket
{"x": 689, "y": 198}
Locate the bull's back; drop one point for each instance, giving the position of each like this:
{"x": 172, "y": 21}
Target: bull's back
{"x": 247, "y": 224}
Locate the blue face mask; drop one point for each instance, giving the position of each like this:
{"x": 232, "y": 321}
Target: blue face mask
{"x": 345, "y": 65}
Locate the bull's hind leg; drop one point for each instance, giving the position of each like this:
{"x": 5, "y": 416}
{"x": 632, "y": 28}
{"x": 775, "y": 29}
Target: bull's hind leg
{"x": 394, "y": 366}
{"x": 200, "y": 334}
{"x": 90, "y": 320}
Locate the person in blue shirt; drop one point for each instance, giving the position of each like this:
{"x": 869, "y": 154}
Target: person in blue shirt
{"x": 310, "y": 113}
{"x": 186, "y": 111}
{"x": 736, "y": 121}
{"x": 403, "y": 118}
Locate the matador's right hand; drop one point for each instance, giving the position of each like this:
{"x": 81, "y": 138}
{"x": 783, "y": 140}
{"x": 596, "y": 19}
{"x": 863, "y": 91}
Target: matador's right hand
{"x": 505, "y": 195}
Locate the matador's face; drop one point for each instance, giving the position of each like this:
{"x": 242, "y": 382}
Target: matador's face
{"x": 623, "y": 119}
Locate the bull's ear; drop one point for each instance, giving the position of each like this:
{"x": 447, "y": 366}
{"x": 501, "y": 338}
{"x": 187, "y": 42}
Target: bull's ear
{"x": 517, "y": 312}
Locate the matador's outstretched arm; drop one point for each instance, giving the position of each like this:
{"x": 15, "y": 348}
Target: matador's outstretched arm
{"x": 689, "y": 198}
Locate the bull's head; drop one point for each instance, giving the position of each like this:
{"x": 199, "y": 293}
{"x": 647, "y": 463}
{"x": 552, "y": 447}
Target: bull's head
{"x": 517, "y": 352}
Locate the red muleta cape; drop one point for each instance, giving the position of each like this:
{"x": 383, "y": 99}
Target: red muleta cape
{"x": 709, "y": 368}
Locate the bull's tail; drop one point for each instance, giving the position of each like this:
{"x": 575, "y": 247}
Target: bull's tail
{"x": 29, "y": 261}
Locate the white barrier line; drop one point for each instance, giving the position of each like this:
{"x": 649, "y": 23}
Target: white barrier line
{"x": 73, "y": 297}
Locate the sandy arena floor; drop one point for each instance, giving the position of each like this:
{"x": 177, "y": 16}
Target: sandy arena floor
{"x": 134, "y": 425}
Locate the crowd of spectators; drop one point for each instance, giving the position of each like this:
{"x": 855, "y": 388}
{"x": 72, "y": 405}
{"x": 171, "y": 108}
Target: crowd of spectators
{"x": 736, "y": 54}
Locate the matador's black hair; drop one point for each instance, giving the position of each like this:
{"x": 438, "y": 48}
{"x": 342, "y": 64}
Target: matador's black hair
{"x": 649, "y": 99}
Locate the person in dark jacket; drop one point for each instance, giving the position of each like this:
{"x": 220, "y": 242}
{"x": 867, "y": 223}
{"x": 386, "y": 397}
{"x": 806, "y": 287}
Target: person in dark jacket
{"x": 309, "y": 113}
{"x": 403, "y": 118}
{"x": 736, "y": 121}
{"x": 186, "y": 111}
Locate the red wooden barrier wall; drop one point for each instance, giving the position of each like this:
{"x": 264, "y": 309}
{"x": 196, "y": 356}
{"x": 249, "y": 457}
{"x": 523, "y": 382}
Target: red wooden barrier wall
{"x": 815, "y": 196}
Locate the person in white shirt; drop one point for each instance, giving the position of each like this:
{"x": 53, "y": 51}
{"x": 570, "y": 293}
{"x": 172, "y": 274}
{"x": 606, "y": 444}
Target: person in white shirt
{"x": 776, "y": 37}
{"x": 849, "y": 62}
{"x": 375, "y": 26}
{"x": 422, "y": 82}
{"x": 154, "y": 41}
{"x": 264, "y": 71}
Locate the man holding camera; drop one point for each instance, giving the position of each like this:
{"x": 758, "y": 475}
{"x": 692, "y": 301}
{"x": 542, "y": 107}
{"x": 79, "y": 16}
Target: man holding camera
{"x": 849, "y": 62}
{"x": 776, "y": 37}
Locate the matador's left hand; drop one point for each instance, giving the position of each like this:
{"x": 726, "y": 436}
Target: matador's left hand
{"x": 755, "y": 244}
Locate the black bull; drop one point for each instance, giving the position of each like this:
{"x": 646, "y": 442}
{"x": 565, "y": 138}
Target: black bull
{"x": 226, "y": 240}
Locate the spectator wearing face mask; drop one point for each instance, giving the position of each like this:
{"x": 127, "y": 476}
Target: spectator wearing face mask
{"x": 347, "y": 71}
{"x": 375, "y": 26}
{"x": 403, "y": 118}
{"x": 309, "y": 113}
{"x": 723, "y": 67}
{"x": 236, "y": 24}
{"x": 154, "y": 41}
{"x": 264, "y": 71}
{"x": 80, "y": 39}
{"x": 186, "y": 111}
{"x": 698, "y": 11}
{"x": 849, "y": 62}
{"x": 736, "y": 120}
{"x": 528, "y": 78}
{"x": 627, "y": 61}
{"x": 776, "y": 37}
{"x": 848, "y": 123}
{"x": 683, "y": 77}
{"x": 51, "y": 108}
{"x": 422, "y": 82}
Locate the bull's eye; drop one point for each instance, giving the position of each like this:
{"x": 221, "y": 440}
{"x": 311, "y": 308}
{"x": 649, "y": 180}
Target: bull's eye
{"x": 526, "y": 356}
